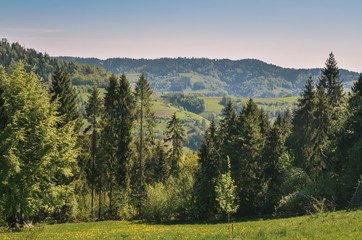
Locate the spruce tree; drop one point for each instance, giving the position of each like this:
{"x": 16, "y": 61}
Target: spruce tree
{"x": 37, "y": 156}
{"x": 146, "y": 123}
{"x": 62, "y": 90}
{"x": 94, "y": 114}
{"x": 304, "y": 117}
{"x": 175, "y": 135}
{"x": 208, "y": 172}
{"x": 331, "y": 82}
{"x": 251, "y": 180}
{"x": 228, "y": 135}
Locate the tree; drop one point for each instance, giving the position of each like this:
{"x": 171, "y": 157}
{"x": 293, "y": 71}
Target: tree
{"x": 62, "y": 91}
{"x": 250, "y": 177}
{"x": 304, "y": 117}
{"x": 209, "y": 170}
{"x": 37, "y": 155}
{"x": 175, "y": 134}
{"x": 94, "y": 111}
{"x": 226, "y": 193}
{"x": 330, "y": 81}
{"x": 146, "y": 120}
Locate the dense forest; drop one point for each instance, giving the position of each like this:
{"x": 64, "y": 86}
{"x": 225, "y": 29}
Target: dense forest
{"x": 215, "y": 77}
{"x": 58, "y": 165}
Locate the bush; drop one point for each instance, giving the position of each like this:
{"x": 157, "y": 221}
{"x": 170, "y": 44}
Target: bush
{"x": 317, "y": 196}
{"x": 158, "y": 205}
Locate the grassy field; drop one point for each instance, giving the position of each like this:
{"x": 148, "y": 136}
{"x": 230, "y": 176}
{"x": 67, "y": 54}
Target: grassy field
{"x": 337, "y": 225}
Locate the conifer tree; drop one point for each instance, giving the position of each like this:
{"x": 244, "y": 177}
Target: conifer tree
{"x": 94, "y": 114}
{"x": 209, "y": 170}
{"x": 62, "y": 90}
{"x": 331, "y": 82}
{"x": 125, "y": 116}
{"x": 304, "y": 117}
{"x": 228, "y": 133}
{"x": 251, "y": 180}
{"x": 37, "y": 156}
{"x": 175, "y": 134}
{"x": 146, "y": 122}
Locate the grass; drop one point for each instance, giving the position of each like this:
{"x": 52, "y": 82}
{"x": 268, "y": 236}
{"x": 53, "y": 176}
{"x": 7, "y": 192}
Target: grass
{"x": 336, "y": 225}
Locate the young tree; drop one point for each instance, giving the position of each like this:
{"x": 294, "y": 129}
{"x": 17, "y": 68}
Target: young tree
{"x": 175, "y": 134}
{"x": 37, "y": 155}
{"x": 94, "y": 111}
{"x": 226, "y": 193}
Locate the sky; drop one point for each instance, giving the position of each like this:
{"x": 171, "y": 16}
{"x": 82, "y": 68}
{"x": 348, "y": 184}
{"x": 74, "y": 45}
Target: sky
{"x": 287, "y": 33}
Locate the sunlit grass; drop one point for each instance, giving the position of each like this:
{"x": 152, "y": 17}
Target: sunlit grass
{"x": 337, "y": 225}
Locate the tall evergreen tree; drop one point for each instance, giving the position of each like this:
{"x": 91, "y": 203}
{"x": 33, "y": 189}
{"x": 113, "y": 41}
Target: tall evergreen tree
{"x": 94, "y": 114}
{"x": 62, "y": 90}
{"x": 175, "y": 134}
{"x": 303, "y": 120}
{"x": 251, "y": 180}
{"x": 228, "y": 133}
{"x": 331, "y": 82}
{"x": 37, "y": 156}
{"x": 146, "y": 123}
{"x": 349, "y": 152}
{"x": 209, "y": 170}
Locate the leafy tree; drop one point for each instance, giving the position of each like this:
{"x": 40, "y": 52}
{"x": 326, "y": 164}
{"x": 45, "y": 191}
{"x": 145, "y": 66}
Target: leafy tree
{"x": 36, "y": 155}
{"x": 175, "y": 134}
{"x": 94, "y": 114}
{"x": 226, "y": 193}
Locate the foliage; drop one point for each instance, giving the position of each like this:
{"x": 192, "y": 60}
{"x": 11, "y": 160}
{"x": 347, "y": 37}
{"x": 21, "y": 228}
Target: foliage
{"x": 226, "y": 193}
{"x": 38, "y": 158}
{"x": 189, "y": 102}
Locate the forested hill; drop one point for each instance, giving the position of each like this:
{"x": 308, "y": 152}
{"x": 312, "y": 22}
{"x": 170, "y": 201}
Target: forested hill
{"x": 44, "y": 65}
{"x": 240, "y": 78}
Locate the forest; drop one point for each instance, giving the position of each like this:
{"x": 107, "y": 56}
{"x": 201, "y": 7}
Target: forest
{"x": 58, "y": 164}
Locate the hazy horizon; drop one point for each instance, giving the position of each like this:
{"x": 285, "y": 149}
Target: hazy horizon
{"x": 283, "y": 33}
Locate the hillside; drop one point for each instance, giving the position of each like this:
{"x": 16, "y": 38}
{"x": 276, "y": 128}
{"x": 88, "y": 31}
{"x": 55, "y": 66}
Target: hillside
{"x": 210, "y": 77}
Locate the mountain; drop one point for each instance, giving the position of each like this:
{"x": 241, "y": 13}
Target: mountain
{"x": 211, "y": 77}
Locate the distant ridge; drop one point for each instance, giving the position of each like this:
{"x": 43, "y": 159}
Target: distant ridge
{"x": 215, "y": 77}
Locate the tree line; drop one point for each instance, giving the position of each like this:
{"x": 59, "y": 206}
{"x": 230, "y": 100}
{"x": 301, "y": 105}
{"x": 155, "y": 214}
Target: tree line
{"x": 57, "y": 165}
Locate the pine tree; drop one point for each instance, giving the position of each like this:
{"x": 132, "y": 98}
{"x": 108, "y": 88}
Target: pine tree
{"x": 37, "y": 156}
{"x": 62, "y": 91}
{"x": 159, "y": 166}
{"x": 94, "y": 114}
{"x": 175, "y": 134}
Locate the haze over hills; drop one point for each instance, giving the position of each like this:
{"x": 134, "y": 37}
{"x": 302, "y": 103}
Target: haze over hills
{"x": 210, "y": 77}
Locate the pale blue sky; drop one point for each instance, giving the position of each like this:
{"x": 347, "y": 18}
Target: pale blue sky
{"x": 290, "y": 33}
